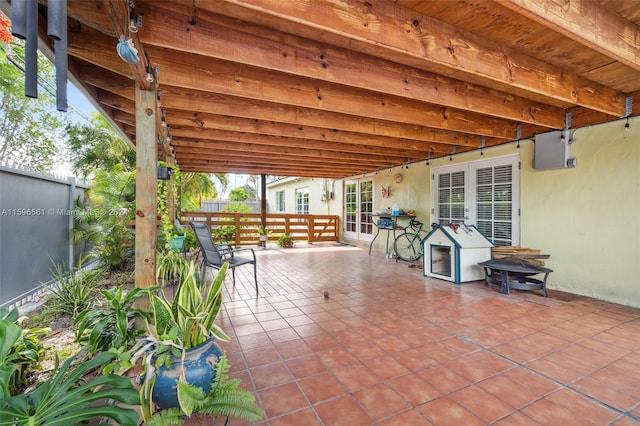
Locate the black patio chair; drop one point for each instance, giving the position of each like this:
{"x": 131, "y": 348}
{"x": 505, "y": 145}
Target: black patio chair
{"x": 215, "y": 255}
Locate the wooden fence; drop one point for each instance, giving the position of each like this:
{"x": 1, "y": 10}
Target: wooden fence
{"x": 303, "y": 227}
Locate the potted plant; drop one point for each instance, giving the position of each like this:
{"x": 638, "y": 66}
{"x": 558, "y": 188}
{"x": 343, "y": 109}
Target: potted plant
{"x": 179, "y": 354}
{"x": 176, "y": 238}
{"x": 286, "y": 241}
{"x": 263, "y": 235}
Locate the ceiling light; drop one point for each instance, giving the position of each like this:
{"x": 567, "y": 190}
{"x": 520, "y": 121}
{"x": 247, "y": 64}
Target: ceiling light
{"x": 626, "y": 125}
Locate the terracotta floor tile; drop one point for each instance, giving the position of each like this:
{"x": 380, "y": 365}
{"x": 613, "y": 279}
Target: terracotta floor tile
{"x": 391, "y": 347}
{"x": 276, "y": 324}
{"x": 293, "y": 348}
{"x": 605, "y": 393}
{"x": 306, "y": 417}
{"x": 414, "y": 389}
{"x": 322, "y": 342}
{"x": 343, "y": 411}
{"x": 407, "y": 418}
{"x": 445, "y": 411}
{"x": 469, "y": 369}
{"x": 282, "y": 399}
{"x": 380, "y": 401}
{"x": 439, "y": 352}
{"x": 252, "y": 341}
{"x": 491, "y": 361}
{"x": 283, "y": 335}
{"x": 336, "y": 357}
{"x": 304, "y": 366}
{"x": 247, "y": 329}
{"x": 414, "y": 359}
{"x": 517, "y": 419}
{"x": 622, "y": 376}
{"x": 483, "y": 404}
{"x": 364, "y": 350}
{"x": 507, "y": 390}
{"x": 261, "y": 356}
{"x": 547, "y": 413}
{"x": 536, "y": 384}
{"x": 355, "y": 376}
{"x": 321, "y": 387}
{"x": 348, "y": 336}
{"x": 386, "y": 367}
{"x": 443, "y": 378}
{"x": 560, "y": 373}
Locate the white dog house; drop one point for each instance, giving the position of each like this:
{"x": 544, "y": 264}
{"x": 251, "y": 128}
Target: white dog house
{"x": 452, "y": 252}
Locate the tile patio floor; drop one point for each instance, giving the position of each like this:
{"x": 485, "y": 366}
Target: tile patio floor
{"x": 391, "y": 347}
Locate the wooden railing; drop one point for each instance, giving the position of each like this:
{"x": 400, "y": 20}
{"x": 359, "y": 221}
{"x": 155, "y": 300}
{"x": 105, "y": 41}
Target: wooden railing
{"x": 303, "y": 227}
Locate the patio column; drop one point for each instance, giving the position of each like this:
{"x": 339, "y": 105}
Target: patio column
{"x": 263, "y": 200}
{"x": 146, "y": 189}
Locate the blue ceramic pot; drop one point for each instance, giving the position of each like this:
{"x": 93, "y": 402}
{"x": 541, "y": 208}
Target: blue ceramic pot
{"x": 199, "y": 369}
{"x": 176, "y": 243}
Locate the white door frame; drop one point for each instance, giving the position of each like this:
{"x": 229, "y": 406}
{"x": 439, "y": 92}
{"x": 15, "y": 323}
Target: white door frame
{"x": 358, "y": 233}
{"x": 470, "y": 202}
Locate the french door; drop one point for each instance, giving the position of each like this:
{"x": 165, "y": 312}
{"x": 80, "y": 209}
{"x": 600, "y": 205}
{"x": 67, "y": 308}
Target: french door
{"x": 358, "y": 209}
{"x": 482, "y": 193}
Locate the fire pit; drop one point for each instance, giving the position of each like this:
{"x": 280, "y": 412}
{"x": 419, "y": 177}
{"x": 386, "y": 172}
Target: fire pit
{"x": 515, "y": 273}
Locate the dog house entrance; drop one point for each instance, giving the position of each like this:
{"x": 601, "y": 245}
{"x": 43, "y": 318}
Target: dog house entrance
{"x": 441, "y": 260}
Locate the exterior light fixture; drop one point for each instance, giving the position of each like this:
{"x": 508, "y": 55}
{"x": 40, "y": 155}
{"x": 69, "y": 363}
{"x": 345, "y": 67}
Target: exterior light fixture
{"x": 150, "y": 78}
{"x": 133, "y": 22}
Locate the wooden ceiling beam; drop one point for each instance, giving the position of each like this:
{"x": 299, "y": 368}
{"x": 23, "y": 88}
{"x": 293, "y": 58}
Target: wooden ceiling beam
{"x": 221, "y": 38}
{"x": 418, "y": 40}
{"x": 261, "y": 127}
{"x": 241, "y": 161}
{"x": 588, "y": 23}
{"x": 119, "y": 15}
{"x": 301, "y": 160}
{"x": 373, "y": 147}
{"x": 177, "y": 99}
{"x": 211, "y": 75}
{"x": 211, "y": 146}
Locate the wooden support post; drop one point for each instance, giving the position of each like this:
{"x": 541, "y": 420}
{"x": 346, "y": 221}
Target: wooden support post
{"x": 263, "y": 200}
{"x": 171, "y": 200}
{"x": 146, "y": 189}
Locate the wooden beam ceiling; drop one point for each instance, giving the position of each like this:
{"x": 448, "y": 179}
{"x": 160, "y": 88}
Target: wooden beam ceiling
{"x": 343, "y": 87}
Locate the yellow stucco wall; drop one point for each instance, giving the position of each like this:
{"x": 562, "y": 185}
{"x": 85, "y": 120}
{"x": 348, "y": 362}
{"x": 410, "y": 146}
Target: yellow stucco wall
{"x": 588, "y": 218}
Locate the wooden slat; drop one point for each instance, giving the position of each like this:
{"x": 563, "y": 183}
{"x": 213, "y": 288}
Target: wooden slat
{"x": 589, "y": 23}
{"x": 420, "y": 41}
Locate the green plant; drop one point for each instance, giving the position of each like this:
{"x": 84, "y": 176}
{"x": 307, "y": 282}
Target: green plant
{"x": 225, "y": 399}
{"x": 72, "y": 293}
{"x": 263, "y": 230}
{"x": 224, "y": 233}
{"x": 111, "y": 325}
{"x": 170, "y": 266}
{"x": 73, "y": 395}
{"x": 286, "y": 240}
{"x": 190, "y": 242}
{"x": 185, "y": 322}
{"x": 26, "y": 351}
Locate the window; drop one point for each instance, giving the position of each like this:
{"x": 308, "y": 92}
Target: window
{"x": 280, "y": 206}
{"x": 482, "y": 193}
{"x": 302, "y": 201}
